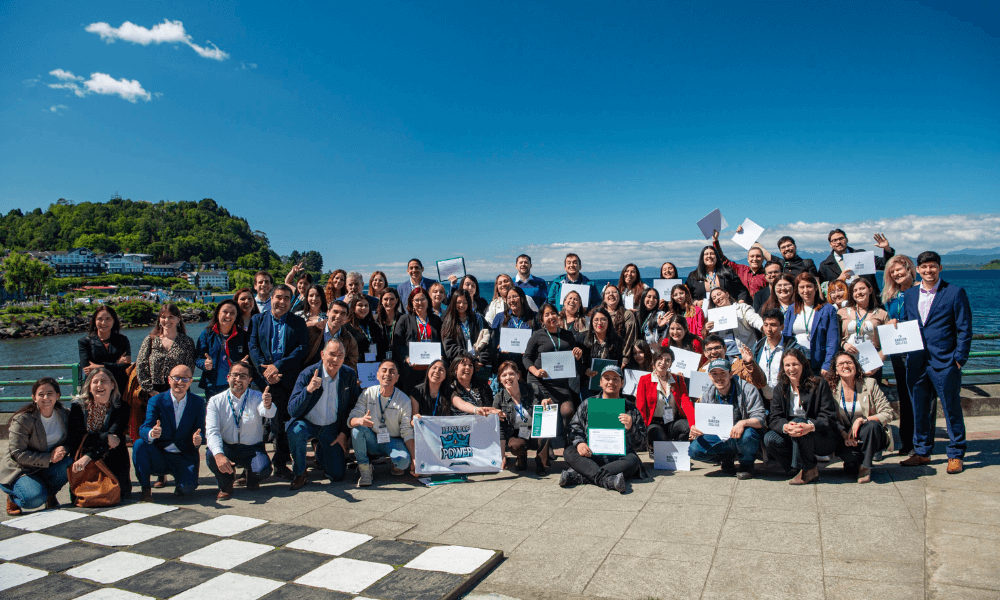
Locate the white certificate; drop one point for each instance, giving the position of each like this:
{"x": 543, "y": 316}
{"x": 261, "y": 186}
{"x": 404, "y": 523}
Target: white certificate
{"x": 685, "y": 362}
{"x": 582, "y": 289}
{"x": 903, "y": 337}
{"x": 514, "y": 340}
{"x": 751, "y": 233}
{"x": 860, "y": 263}
{"x": 868, "y": 356}
{"x": 607, "y": 441}
{"x": 543, "y": 421}
{"x": 671, "y": 456}
{"x": 424, "y": 353}
{"x": 701, "y": 382}
{"x": 632, "y": 381}
{"x": 628, "y": 302}
{"x": 449, "y": 267}
{"x": 723, "y": 318}
{"x": 559, "y": 365}
{"x": 366, "y": 373}
{"x": 663, "y": 286}
{"x": 713, "y": 419}
{"x": 711, "y": 223}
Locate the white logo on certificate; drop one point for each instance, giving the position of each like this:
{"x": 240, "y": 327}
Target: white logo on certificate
{"x": 714, "y": 419}
{"x": 861, "y": 263}
{"x": 424, "y": 353}
{"x": 582, "y": 289}
{"x": 514, "y": 340}
{"x": 559, "y": 365}
{"x": 366, "y": 373}
{"x": 664, "y": 286}
{"x": 749, "y": 235}
{"x": 671, "y": 456}
{"x": 722, "y": 318}
{"x": 685, "y": 362}
{"x": 903, "y": 337}
{"x": 868, "y": 356}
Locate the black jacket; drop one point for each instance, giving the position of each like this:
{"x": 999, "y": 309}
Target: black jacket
{"x": 635, "y": 438}
{"x": 96, "y": 446}
{"x": 727, "y": 280}
{"x": 760, "y": 298}
{"x": 456, "y": 346}
{"x": 818, "y": 405}
{"x": 407, "y": 331}
{"x": 92, "y": 350}
{"x": 505, "y": 403}
{"x": 797, "y": 265}
{"x": 829, "y": 270}
{"x": 302, "y": 401}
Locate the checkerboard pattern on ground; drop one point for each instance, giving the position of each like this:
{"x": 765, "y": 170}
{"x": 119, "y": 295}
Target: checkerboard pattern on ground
{"x": 157, "y": 551}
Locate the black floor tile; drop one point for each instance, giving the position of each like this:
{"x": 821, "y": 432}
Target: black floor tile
{"x": 52, "y": 587}
{"x": 81, "y": 528}
{"x": 390, "y": 552}
{"x": 275, "y": 534}
{"x": 411, "y": 584}
{"x": 65, "y": 557}
{"x": 283, "y": 564}
{"x": 174, "y": 544}
{"x": 168, "y": 579}
{"x": 292, "y": 591}
{"x": 9, "y": 532}
{"x": 178, "y": 519}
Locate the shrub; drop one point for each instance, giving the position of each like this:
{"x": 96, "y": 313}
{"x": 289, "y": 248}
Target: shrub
{"x": 137, "y": 312}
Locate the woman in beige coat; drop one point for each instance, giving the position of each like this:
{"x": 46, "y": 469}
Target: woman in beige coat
{"x": 863, "y": 416}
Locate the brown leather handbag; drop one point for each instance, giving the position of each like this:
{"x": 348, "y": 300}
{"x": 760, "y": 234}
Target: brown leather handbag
{"x": 95, "y": 485}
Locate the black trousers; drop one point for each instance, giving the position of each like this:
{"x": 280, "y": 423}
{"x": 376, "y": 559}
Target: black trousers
{"x": 871, "y": 439}
{"x": 905, "y": 405}
{"x": 282, "y": 452}
{"x": 595, "y": 468}
{"x": 800, "y": 452}
{"x": 658, "y": 431}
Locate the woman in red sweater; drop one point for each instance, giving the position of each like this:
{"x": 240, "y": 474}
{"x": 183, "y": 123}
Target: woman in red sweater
{"x": 663, "y": 400}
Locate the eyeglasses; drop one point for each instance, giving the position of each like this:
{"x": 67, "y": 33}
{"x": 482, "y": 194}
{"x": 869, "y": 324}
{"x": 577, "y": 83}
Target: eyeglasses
{"x": 239, "y": 376}
{"x": 180, "y": 379}
{"x": 838, "y": 239}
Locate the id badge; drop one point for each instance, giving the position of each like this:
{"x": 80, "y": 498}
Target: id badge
{"x": 668, "y": 415}
{"x": 369, "y": 357}
{"x": 383, "y": 437}
{"x": 524, "y": 432}
{"x": 388, "y": 354}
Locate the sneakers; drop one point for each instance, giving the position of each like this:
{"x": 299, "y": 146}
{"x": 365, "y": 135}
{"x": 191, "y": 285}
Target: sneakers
{"x": 745, "y": 471}
{"x": 365, "y": 478}
{"x": 570, "y": 478}
{"x": 615, "y": 482}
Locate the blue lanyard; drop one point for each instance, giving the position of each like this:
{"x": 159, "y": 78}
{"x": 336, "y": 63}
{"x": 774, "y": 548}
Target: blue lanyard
{"x": 420, "y": 328}
{"x": 437, "y": 402}
{"x": 381, "y": 409}
{"x": 859, "y": 324}
{"x": 557, "y": 342}
{"x": 517, "y": 323}
{"x": 732, "y": 395}
{"x": 843, "y": 402}
{"x": 364, "y": 330}
{"x": 520, "y": 412}
{"x": 771, "y": 357}
{"x": 238, "y": 418}
{"x": 465, "y": 329}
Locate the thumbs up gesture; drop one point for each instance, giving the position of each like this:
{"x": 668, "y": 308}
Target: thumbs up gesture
{"x": 196, "y": 438}
{"x": 156, "y": 431}
{"x": 315, "y": 383}
{"x": 266, "y": 397}
{"x": 208, "y": 363}
{"x": 366, "y": 420}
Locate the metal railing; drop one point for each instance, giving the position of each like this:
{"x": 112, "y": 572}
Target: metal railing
{"x": 11, "y": 404}
{"x": 974, "y": 354}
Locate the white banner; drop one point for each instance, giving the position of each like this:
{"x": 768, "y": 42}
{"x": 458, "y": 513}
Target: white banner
{"x": 465, "y": 444}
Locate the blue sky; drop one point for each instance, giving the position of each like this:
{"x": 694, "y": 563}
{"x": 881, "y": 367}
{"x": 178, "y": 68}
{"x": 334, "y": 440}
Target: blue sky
{"x": 377, "y": 131}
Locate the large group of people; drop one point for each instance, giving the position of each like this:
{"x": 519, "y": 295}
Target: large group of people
{"x": 280, "y": 364}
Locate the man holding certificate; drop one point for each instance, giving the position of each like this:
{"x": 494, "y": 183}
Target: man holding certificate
{"x": 603, "y": 445}
{"x": 748, "y": 415}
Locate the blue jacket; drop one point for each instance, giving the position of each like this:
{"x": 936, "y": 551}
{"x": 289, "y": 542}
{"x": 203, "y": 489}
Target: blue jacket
{"x": 536, "y": 289}
{"x": 824, "y": 336}
{"x": 555, "y": 291}
{"x": 947, "y": 334}
{"x": 224, "y": 352}
{"x": 406, "y": 287}
{"x": 161, "y": 408}
{"x": 302, "y": 401}
{"x": 296, "y": 347}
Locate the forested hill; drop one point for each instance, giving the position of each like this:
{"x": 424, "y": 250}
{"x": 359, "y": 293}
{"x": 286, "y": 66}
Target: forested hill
{"x": 169, "y": 231}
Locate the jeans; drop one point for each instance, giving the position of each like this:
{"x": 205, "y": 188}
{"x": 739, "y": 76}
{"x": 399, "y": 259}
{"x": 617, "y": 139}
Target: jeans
{"x": 150, "y": 460}
{"x": 710, "y": 447}
{"x": 366, "y": 443}
{"x": 31, "y": 490}
{"x": 331, "y": 456}
{"x": 252, "y": 458}
{"x": 800, "y": 452}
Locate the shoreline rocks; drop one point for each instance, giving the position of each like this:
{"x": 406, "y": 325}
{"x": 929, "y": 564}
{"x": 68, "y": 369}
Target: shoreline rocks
{"x": 33, "y": 326}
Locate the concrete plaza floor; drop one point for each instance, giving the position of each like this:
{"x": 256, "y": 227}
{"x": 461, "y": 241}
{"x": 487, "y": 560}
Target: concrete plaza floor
{"x": 910, "y": 534}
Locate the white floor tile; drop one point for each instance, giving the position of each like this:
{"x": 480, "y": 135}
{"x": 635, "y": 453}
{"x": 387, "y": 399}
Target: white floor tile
{"x": 113, "y": 594}
{"x": 345, "y": 575}
{"x": 137, "y": 512}
{"x": 28, "y": 543}
{"x": 12, "y": 575}
{"x": 114, "y": 567}
{"x": 459, "y": 560}
{"x": 231, "y": 586}
{"x": 329, "y": 541}
{"x": 42, "y": 519}
{"x": 226, "y": 554}
{"x": 226, "y": 525}
{"x": 127, "y": 535}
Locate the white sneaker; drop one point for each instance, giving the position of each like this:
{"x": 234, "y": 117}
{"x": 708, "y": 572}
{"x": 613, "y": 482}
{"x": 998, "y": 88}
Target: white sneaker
{"x": 365, "y": 479}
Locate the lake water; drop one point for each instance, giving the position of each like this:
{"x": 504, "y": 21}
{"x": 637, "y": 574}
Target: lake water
{"x": 981, "y": 287}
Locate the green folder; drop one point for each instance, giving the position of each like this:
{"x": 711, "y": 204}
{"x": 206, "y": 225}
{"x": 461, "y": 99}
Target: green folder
{"x": 596, "y": 364}
{"x": 602, "y": 413}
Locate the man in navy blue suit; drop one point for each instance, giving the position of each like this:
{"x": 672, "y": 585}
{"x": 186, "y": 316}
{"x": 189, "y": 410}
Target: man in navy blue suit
{"x": 278, "y": 344}
{"x": 169, "y": 438}
{"x": 323, "y": 397}
{"x": 945, "y": 321}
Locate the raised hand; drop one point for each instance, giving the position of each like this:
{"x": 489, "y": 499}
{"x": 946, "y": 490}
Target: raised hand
{"x": 266, "y": 397}
{"x": 156, "y": 431}
{"x": 196, "y": 438}
{"x": 715, "y": 235}
{"x": 208, "y": 363}
{"x": 366, "y": 421}
{"x": 881, "y": 241}
{"x": 315, "y": 383}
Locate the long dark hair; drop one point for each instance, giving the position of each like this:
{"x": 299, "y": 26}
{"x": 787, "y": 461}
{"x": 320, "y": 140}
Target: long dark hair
{"x": 253, "y": 303}
{"x": 352, "y": 318}
{"x": 818, "y": 299}
{"x": 872, "y": 300}
{"x": 772, "y": 300}
{"x": 31, "y": 406}
{"x": 453, "y": 370}
{"x": 116, "y": 327}
{"x": 527, "y": 315}
{"x": 687, "y": 342}
{"x": 672, "y": 305}
{"x": 451, "y": 327}
{"x": 636, "y": 289}
{"x": 383, "y": 319}
{"x": 443, "y": 390}
{"x": 610, "y": 337}
{"x": 701, "y": 273}
{"x": 833, "y": 378}
{"x": 806, "y": 382}
{"x": 475, "y": 297}
{"x": 215, "y": 313}
{"x": 645, "y": 312}
{"x": 646, "y": 352}
{"x": 169, "y": 309}
{"x": 323, "y": 305}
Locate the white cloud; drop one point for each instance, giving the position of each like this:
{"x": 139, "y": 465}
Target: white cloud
{"x": 31, "y": 82}
{"x": 247, "y": 65}
{"x": 167, "y": 32}
{"x": 908, "y": 234}
{"x": 100, "y": 83}
{"x": 57, "y": 107}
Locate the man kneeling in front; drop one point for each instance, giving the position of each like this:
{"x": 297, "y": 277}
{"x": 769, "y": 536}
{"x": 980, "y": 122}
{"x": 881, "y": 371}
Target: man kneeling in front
{"x": 380, "y": 425}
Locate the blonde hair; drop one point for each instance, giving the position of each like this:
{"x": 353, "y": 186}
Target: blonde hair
{"x": 891, "y": 288}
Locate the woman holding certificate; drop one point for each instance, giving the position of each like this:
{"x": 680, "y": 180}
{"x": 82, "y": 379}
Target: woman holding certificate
{"x": 649, "y": 317}
{"x": 419, "y": 324}
{"x": 501, "y": 285}
{"x": 748, "y": 324}
{"x": 601, "y": 342}
{"x": 710, "y": 274}
{"x": 663, "y": 401}
{"x": 461, "y": 329}
{"x": 803, "y": 418}
{"x": 859, "y": 320}
{"x": 516, "y": 402}
{"x": 813, "y": 322}
{"x": 901, "y": 275}
{"x": 516, "y": 315}
{"x": 630, "y": 285}
{"x": 622, "y": 321}
{"x": 549, "y": 347}
{"x": 863, "y": 416}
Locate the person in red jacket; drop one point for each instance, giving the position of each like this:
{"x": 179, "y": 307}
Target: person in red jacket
{"x": 663, "y": 401}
